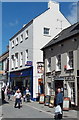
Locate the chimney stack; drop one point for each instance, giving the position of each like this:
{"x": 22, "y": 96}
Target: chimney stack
{"x": 53, "y": 5}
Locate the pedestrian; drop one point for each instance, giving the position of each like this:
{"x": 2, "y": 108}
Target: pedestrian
{"x": 27, "y": 95}
{"x": 8, "y": 93}
{"x": 24, "y": 95}
{"x": 17, "y": 97}
{"x": 59, "y": 102}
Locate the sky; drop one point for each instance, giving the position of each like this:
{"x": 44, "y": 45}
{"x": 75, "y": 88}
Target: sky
{"x": 16, "y": 14}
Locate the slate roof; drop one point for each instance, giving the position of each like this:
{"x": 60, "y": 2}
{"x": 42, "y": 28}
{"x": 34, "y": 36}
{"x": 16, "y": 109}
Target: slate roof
{"x": 64, "y": 34}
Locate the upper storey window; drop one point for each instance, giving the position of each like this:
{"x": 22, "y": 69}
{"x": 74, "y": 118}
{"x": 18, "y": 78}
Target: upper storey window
{"x": 46, "y": 31}
{"x": 26, "y": 34}
{"x": 21, "y": 38}
{"x": 17, "y": 41}
{"x": 70, "y": 60}
{"x": 13, "y": 44}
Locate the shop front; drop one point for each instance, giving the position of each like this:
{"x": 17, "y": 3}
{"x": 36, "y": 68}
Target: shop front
{"x": 70, "y": 85}
{"x": 22, "y": 79}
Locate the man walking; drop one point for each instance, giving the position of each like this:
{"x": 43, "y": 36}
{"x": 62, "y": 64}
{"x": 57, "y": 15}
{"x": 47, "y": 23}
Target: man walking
{"x": 59, "y": 104}
{"x": 59, "y": 98}
{"x": 17, "y": 98}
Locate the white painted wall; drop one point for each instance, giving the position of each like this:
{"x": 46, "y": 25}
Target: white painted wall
{"x": 50, "y": 19}
{"x": 36, "y": 39}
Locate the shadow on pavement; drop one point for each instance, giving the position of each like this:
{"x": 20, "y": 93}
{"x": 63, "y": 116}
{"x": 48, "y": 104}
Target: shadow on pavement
{"x": 5, "y": 102}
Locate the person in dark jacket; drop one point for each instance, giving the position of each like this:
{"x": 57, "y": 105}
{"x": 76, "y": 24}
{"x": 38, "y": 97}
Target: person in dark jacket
{"x": 59, "y": 101}
{"x": 59, "y": 98}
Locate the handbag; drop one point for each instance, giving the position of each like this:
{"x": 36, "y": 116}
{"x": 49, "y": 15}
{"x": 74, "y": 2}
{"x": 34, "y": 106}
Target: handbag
{"x": 58, "y": 112}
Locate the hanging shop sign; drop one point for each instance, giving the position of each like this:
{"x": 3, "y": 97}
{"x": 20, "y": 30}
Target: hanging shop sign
{"x": 40, "y": 67}
{"x": 66, "y": 103}
{"x": 41, "y": 99}
{"x": 47, "y": 100}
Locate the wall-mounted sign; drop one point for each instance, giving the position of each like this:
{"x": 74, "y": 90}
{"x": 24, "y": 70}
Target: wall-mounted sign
{"x": 29, "y": 63}
{"x": 66, "y": 102}
{"x": 40, "y": 67}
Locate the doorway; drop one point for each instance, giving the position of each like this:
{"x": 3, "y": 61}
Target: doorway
{"x": 19, "y": 84}
{"x": 58, "y": 84}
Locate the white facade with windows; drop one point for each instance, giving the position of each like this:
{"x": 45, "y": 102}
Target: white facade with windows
{"x": 32, "y": 37}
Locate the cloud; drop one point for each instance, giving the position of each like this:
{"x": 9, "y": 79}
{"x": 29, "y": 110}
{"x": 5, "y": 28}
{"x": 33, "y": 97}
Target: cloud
{"x": 72, "y": 17}
{"x": 14, "y": 23}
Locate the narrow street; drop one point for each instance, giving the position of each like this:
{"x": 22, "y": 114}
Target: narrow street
{"x": 33, "y": 110}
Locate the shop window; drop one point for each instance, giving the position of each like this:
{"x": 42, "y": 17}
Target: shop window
{"x": 71, "y": 92}
{"x": 58, "y": 63}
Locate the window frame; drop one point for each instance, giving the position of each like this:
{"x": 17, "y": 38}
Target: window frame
{"x": 26, "y": 34}
{"x": 49, "y": 64}
{"x": 58, "y": 62}
{"x": 13, "y": 62}
{"x": 21, "y": 38}
{"x": 26, "y": 56}
{"x": 17, "y": 40}
{"x": 21, "y": 59}
{"x": 70, "y": 60}
{"x": 46, "y": 31}
{"x": 12, "y": 44}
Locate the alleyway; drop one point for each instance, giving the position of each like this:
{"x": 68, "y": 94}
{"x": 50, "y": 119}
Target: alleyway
{"x": 33, "y": 110}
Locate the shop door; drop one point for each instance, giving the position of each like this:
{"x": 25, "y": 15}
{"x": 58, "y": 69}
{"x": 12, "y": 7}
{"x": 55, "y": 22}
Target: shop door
{"x": 58, "y": 84}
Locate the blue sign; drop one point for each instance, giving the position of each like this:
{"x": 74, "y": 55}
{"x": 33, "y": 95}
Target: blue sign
{"x": 29, "y": 63}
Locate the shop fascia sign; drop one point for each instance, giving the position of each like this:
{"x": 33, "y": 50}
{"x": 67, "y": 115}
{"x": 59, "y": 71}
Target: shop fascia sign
{"x": 29, "y": 63}
{"x": 70, "y": 78}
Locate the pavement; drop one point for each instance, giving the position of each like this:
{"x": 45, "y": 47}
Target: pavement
{"x": 32, "y": 110}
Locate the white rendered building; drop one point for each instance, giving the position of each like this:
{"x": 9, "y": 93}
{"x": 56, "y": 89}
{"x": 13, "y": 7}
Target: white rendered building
{"x": 25, "y": 45}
